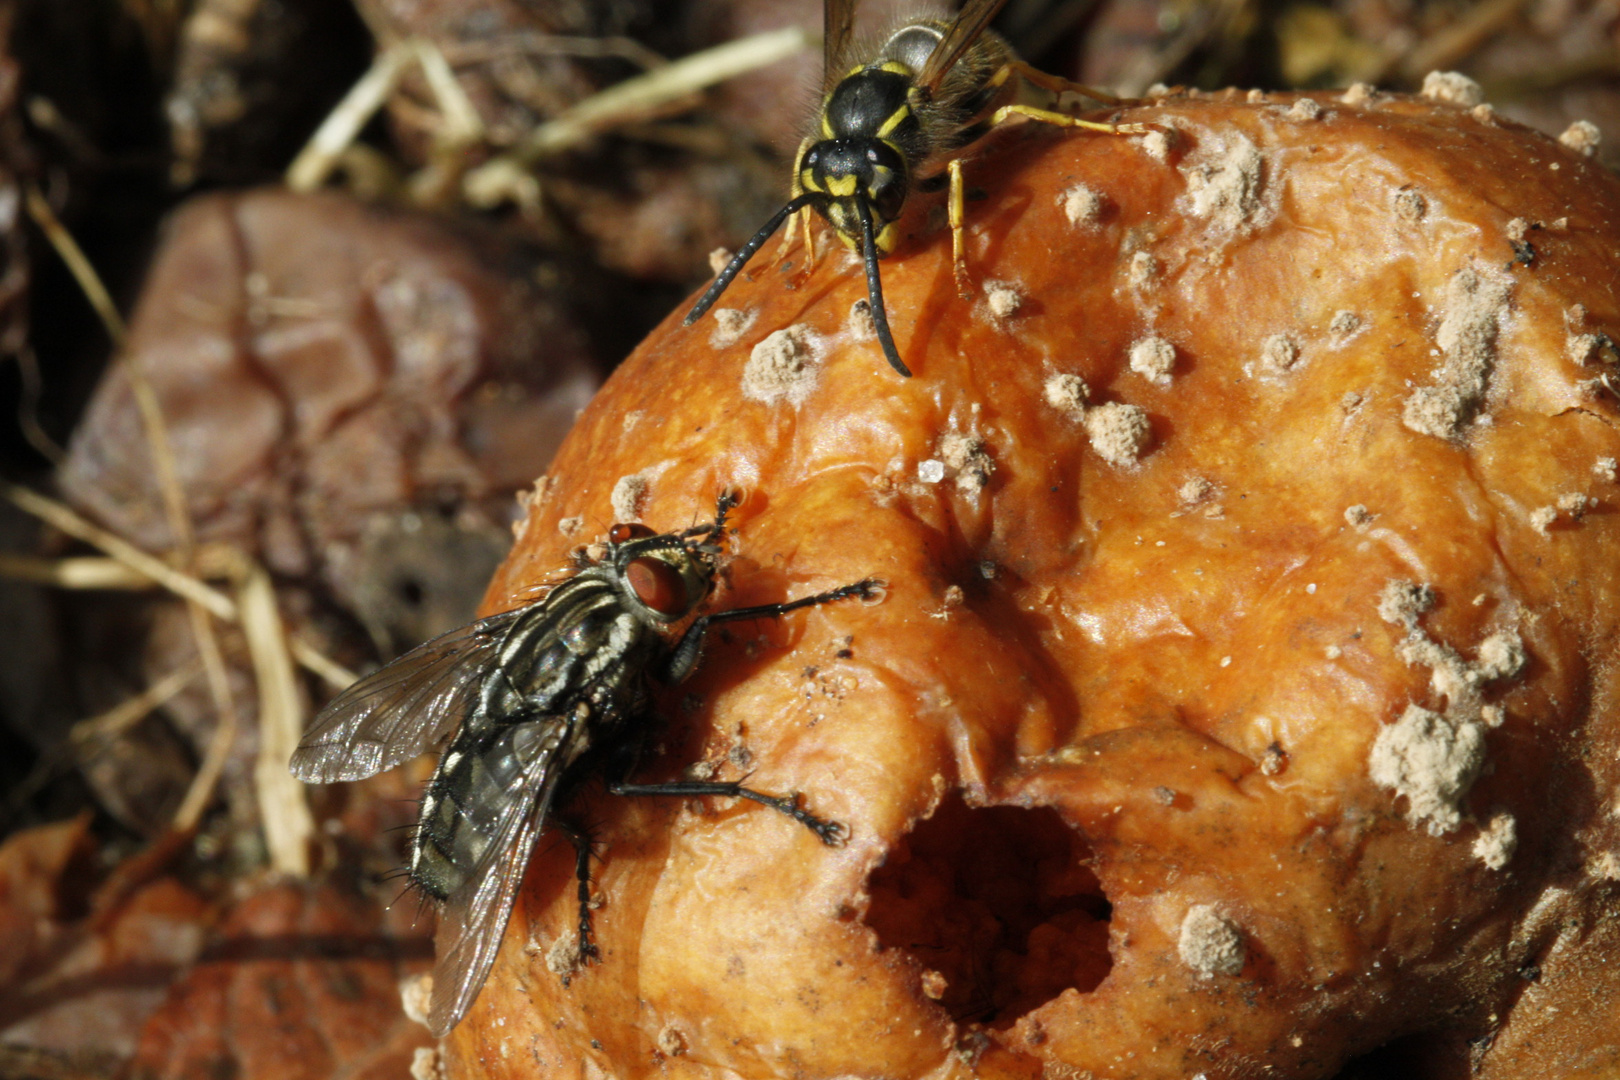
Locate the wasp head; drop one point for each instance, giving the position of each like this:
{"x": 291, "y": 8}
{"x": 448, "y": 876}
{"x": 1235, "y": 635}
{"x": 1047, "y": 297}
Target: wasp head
{"x": 862, "y": 168}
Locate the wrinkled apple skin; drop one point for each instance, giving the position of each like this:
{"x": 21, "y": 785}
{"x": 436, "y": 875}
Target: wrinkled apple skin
{"x": 1185, "y": 647}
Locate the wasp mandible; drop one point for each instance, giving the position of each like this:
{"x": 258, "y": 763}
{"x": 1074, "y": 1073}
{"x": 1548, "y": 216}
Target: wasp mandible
{"x": 901, "y": 121}
{"x": 533, "y": 701}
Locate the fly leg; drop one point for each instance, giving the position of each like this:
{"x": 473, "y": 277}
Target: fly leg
{"x": 684, "y": 657}
{"x": 582, "y": 874}
{"x": 831, "y": 833}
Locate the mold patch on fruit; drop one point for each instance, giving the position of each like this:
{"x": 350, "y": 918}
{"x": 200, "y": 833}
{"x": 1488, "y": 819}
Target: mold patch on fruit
{"x": 1210, "y": 942}
{"x": 1476, "y": 302}
{"x": 783, "y": 367}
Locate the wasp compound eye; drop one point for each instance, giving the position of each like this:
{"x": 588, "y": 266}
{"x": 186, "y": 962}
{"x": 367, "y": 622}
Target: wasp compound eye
{"x": 658, "y": 585}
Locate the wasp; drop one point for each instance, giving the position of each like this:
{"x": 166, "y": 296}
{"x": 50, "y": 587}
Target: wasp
{"x": 532, "y": 702}
{"x": 902, "y": 121}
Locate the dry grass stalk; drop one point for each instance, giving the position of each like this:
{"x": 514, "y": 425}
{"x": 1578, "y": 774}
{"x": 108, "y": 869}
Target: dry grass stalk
{"x": 632, "y": 100}
{"x": 131, "y": 711}
{"x": 288, "y": 825}
{"x": 315, "y": 161}
{"x": 73, "y": 572}
{"x": 200, "y": 601}
{"x": 63, "y": 517}
{"x": 78, "y": 265}
{"x": 91, "y": 573}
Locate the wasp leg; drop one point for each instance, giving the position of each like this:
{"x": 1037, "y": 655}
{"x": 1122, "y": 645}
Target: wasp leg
{"x": 785, "y": 245}
{"x": 1042, "y": 81}
{"x": 1047, "y": 116}
{"x": 806, "y": 219}
{"x": 1055, "y": 84}
{"x": 958, "y": 217}
{"x": 831, "y": 833}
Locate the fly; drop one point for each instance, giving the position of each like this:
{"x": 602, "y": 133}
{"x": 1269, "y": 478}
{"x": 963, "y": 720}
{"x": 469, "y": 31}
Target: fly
{"x": 894, "y": 123}
{"x": 533, "y": 701}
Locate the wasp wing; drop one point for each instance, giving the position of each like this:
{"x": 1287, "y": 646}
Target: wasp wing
{"x": 837, "y": 28}
{"x": 969, "y": 24}
{"x": 402, "y": 709}
{"x": 473, "y": 920}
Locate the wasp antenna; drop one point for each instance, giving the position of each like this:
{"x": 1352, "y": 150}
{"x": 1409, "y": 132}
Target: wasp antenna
{"x": 874, "y": 290}
{"x": 744, "y": 253}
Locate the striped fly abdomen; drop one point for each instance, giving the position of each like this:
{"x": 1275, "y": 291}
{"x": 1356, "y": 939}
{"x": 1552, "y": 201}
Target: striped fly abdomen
{"x": 482, "y": 772}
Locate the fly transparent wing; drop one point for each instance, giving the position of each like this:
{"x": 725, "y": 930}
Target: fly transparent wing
{"x": 473, "y": 919}
{"x": 969, "y": 24}
{"x": 403, "y": 708}
{"x": 837, "y": 28}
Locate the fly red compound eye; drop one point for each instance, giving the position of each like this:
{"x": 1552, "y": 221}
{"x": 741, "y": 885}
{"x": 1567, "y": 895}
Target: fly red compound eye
{"x": 624, "y": 533}
{"x": 658, "y": 585}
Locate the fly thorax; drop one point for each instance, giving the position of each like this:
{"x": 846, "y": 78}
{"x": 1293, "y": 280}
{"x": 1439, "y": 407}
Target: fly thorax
{"x": 587, "y": 634}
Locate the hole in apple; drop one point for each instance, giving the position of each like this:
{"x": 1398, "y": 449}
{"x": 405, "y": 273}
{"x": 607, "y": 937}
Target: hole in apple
{"x": 998, "y": 906}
